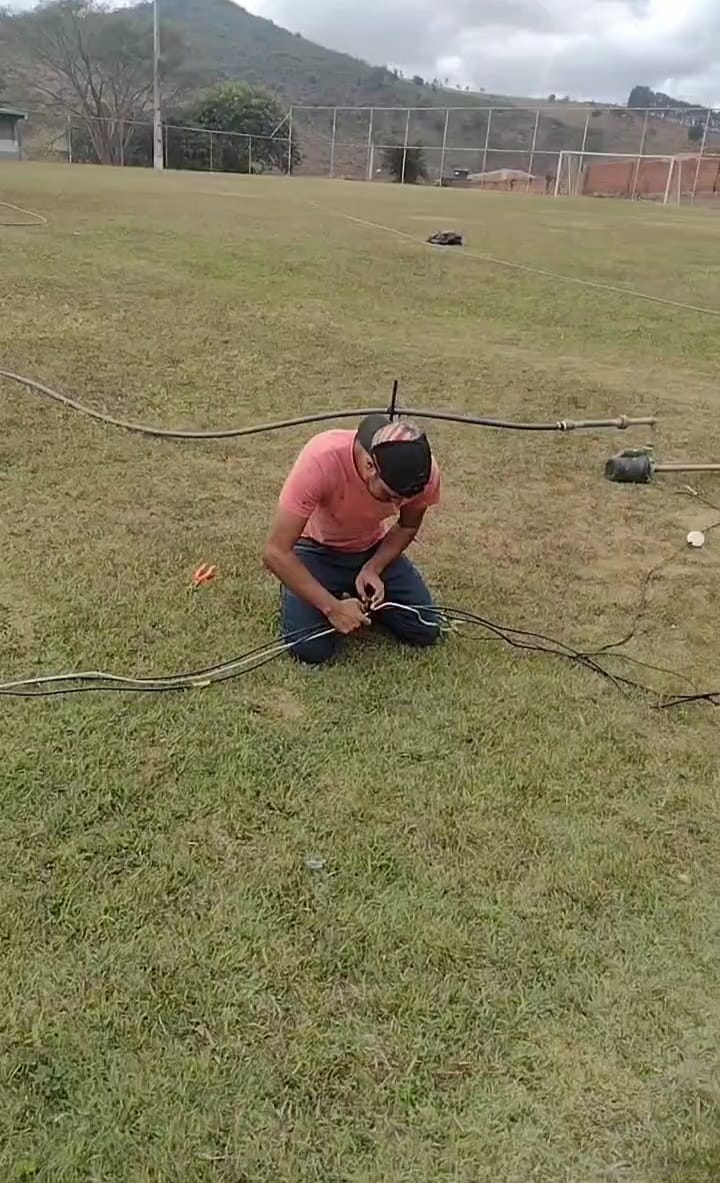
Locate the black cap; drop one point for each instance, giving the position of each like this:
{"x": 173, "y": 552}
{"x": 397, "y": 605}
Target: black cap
{"x": 401, "y": 453}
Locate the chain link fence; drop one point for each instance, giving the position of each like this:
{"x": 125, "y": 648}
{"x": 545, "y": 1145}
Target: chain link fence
{"x": 129, "y": 143}
{"x": 509, "y": 147}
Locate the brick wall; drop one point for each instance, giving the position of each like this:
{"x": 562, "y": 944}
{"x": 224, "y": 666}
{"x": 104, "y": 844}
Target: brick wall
{"x": 615, "y": 178}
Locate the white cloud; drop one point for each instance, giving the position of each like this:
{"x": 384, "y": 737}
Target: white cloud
{"x": 594, "y": 49}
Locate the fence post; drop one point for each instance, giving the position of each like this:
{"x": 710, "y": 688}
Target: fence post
{"x": 532, "y": 148}
{"x": 249, "y": 156}
{"x": 290, "y": 143}
{"x": 679, "y": 184}
{"x": 573, "y": 187}
{"x": 332, "y": 142}
{"x": 68, "y": 136}
{"x": 444, "y": 145}
{"x": 487, "y": 140}
{"x": 583, "y": 145}
{"x": 122, "y": 143}
{"x": 668, "y": 183}
{"x": 371, "y": 124}
{"x": 212, "y": 151}
{"x": 558, "y": 175}
{"x": 638, "y": 161}
{"x": 405, "y": 147}
{"x": 701, "y": 154}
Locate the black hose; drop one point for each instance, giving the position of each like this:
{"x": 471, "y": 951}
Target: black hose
{"x": 563, "y": 425}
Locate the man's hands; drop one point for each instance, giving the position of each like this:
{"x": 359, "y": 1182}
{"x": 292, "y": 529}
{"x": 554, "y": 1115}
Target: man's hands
{"x": 370, "y": 587}
{"x": 347, "y": 616}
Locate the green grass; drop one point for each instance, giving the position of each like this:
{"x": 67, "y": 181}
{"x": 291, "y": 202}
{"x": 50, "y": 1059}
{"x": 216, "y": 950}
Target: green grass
{"x": 508, "y": 969}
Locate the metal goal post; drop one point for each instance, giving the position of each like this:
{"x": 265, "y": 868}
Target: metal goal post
{"x": 619, "y": 174}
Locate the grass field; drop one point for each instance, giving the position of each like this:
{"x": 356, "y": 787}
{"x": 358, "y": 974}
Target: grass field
{"x": 508, "y": 969}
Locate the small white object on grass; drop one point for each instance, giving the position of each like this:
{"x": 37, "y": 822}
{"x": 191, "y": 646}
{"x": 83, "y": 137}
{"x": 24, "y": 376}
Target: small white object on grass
{"x": 313, "y": 863}
{"x": 696, "y": 538}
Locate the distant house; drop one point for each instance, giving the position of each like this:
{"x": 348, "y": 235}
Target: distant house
{"x": 10, "y": 137}
{"x": 497, "y": 178}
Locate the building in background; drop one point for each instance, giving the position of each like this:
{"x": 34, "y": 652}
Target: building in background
{"x": 10, "y": 134}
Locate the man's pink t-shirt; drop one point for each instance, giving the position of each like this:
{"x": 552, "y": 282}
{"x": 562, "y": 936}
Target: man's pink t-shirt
{"x": 325, "y": 487}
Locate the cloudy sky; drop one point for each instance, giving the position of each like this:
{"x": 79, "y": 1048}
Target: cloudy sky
{"x": 589, "y": 49}
{"x": 584, "y": 48}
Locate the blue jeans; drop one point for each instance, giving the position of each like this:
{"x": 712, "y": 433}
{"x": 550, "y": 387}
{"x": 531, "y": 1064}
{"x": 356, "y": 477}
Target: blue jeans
{"x": 337, "y": 571}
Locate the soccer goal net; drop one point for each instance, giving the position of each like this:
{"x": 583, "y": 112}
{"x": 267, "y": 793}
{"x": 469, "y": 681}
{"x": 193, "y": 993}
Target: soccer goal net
{"x": 594, "y": 174}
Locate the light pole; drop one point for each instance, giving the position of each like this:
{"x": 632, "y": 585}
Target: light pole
{"x": 158, "y": 153}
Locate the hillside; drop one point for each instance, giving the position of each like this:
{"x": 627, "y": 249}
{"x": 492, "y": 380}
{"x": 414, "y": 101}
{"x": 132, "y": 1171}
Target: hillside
{"x": 223, "y": 41}
{"x": 227, "y": 42}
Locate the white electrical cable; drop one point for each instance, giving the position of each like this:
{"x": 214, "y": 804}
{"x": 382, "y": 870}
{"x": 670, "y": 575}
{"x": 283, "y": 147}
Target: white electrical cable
{"x": 40, "y": 219}
{"x": 441, "y": 623}
{"x": 221, "y": 672}
{"x": 147, "y": 683}
{"x": 595, "y": 285}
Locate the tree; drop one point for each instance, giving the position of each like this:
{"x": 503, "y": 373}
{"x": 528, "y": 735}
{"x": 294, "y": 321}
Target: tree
{"x": 418, "y": 80}
{"x": 552, "y": 98}
{"x": 405, "y": 165}
{"x": 94, "y": 65}
{"x": 642, "y": 97}
{"x": 246, "y": 111}
{"x": 376, "y": 77}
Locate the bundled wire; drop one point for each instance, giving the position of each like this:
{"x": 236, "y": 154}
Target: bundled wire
{"x": 450, "y": 619}
{"x": 83, "y": 682}
{"x": 446, "y": 619}
{"x": 534, "y": 642}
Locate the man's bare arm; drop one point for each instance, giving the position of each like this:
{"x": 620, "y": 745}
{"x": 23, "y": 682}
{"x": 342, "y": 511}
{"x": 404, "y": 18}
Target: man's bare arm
{"x": 397, "y": 539}
{"x": 280, "y": 558}
{"x": 369, "y": 582}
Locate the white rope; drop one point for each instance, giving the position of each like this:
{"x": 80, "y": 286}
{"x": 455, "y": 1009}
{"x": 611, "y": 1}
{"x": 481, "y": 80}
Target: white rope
{"x": 39, "y": 219}
{"x": 595, "y": 285}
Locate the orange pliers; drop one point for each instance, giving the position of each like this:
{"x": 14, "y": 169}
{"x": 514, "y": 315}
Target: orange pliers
{"x": 204, "y": 574}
